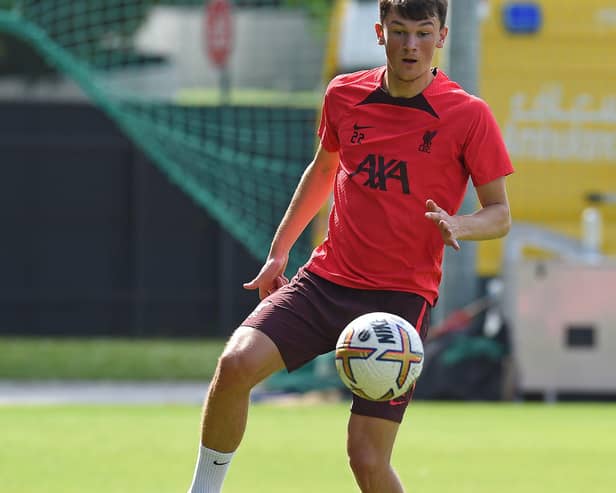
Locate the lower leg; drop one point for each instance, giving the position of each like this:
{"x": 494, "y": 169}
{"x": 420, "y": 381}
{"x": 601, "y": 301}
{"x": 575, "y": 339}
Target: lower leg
{"x": 370, "y": 444}
{"x": 224, "y": 415}
{"x": 383, "y": 480}
{"x": 248, "y": 358}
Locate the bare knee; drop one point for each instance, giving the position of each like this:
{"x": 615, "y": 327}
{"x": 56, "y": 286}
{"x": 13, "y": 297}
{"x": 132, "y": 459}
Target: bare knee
{"x": 248, "y": 358}
{"x": 233, "y": 370}
{"x": 367, "y": 465}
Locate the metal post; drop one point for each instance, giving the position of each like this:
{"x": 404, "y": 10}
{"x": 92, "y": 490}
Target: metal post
{"x": 225, "y": 85}
{"x": 460, "y": 284}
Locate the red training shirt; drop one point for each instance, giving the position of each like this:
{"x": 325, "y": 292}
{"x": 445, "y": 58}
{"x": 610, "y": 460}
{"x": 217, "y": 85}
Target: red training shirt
{"x": 395, "y": 153}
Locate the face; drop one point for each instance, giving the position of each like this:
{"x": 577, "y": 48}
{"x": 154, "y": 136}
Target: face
{"x": 409, "y": 46}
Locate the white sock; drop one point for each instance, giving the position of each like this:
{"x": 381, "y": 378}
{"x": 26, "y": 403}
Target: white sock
{"x": 210, "y": 471}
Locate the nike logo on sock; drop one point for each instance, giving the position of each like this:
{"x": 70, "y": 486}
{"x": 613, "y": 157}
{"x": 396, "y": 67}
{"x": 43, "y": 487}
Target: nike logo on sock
{"x": 216, "y": 463}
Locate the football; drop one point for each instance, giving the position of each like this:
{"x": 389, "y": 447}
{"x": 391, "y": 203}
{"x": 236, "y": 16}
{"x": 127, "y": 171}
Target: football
{"x": 379, "y": 356}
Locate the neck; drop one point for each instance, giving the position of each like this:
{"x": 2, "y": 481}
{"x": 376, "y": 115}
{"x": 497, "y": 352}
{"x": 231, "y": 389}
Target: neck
{"x": 399, "y": 88}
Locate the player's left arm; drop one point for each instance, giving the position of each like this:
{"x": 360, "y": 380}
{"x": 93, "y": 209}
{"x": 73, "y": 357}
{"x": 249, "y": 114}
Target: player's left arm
{"x": 492, "y": 220}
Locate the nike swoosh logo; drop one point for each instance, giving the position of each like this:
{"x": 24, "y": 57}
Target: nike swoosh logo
{"x": 357, "y": 127}
{"x": 397, "y": 403}
{"x": 216, "y": 463}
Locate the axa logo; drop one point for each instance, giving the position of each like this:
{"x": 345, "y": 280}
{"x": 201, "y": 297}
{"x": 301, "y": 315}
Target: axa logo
{"x": 381, "y": 170}
{"x": 428, "y": 137}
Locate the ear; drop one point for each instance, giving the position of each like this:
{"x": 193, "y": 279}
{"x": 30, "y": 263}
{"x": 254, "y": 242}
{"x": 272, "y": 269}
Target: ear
{"x": 380, "y": 34}
{"x": 442, "y": 37}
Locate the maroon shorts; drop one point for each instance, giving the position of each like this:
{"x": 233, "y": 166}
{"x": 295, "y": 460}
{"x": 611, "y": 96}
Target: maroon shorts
{"x": 305, "y": 317}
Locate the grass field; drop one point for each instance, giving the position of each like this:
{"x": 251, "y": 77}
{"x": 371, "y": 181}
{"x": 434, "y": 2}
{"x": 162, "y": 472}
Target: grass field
{"x": 250, "y": 97}
{"x": 108, "y": 358}
{"x": 442, "y": 448}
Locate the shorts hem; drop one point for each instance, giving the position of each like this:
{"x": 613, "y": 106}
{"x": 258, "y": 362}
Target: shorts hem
{"x": 370, "y": 414}
{"x": 276, "y": 343}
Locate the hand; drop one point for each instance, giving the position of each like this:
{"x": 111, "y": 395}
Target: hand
{"x": 270, "y": 278}
{"x": 445, "y": 223}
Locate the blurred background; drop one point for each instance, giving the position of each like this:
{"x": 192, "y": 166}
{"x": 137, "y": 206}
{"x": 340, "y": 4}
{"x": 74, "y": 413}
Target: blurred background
{"x": 149, "y": 149}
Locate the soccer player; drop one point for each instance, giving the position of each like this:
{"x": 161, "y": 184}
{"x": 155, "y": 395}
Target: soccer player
{"x": 398, "y": 145}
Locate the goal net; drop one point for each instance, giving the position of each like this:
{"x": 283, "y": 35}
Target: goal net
{"x": 221, "y": 95}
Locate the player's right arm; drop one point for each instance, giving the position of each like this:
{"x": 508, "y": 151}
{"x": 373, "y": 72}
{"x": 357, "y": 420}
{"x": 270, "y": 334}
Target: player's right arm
{"x": 311, "y": 193}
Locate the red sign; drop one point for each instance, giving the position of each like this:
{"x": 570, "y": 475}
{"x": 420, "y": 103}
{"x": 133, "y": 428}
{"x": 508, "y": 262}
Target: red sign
{"x": 218, "y": 31}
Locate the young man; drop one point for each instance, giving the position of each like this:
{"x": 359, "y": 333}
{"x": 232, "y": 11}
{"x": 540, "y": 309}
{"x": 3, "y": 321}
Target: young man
{"x": 398, "y": 144}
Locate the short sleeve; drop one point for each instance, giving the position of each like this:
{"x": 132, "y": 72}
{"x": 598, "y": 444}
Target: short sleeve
{"x": 485, "y": 154}
{"x": 328, "y": 133}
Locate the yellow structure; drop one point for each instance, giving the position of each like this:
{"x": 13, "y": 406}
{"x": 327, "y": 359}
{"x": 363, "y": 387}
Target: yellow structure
{"x": 554, "y": 95}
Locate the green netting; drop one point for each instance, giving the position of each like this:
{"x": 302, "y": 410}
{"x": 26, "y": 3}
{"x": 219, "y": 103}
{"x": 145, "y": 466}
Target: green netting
{"x": 235, "y": 140}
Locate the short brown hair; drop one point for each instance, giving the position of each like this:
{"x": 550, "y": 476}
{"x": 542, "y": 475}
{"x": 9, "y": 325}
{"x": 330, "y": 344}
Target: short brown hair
{"x": 416, "y": 10}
